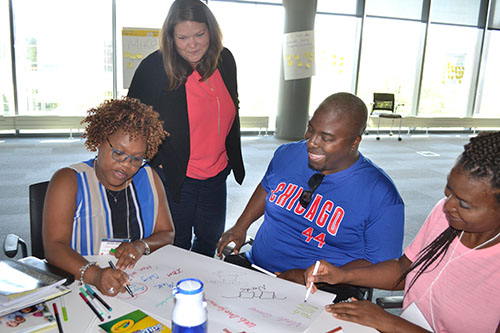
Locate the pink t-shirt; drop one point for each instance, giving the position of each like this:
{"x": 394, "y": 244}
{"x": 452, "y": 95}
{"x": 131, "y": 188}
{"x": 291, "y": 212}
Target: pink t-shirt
{"x": 466, "y": 297}
{"x": 211, "y": 114}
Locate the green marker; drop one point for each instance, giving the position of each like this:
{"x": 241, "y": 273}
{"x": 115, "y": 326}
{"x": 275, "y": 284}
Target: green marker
{"x": 65, "y": 314}
{"x": 112, "y": 251}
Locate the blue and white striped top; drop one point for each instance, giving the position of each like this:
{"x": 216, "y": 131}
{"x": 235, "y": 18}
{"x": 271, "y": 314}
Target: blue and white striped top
{"x": 93, "y": 221}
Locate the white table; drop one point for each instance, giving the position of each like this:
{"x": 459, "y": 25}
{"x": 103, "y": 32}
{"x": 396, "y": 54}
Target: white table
{"x": 221, "y": 280}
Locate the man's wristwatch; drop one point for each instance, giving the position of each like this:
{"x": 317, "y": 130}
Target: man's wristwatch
{"x": 147, "y": 249}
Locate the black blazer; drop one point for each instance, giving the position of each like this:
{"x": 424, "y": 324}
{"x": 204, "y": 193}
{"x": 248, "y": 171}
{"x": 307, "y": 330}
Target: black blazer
{"x": 149, "y": 85}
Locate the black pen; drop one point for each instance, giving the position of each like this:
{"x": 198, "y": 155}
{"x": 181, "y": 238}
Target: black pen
{"x": 126, "y": 287}
{"x": 96, "y": 295}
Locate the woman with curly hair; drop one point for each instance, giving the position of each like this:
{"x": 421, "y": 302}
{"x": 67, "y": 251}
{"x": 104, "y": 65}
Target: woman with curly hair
{"x": 114, "y": 200}
{"x": 450, "y": 271}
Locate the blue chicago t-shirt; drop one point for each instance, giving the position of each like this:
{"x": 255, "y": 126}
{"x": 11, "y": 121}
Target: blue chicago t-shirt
{"x": 354, "y": 214}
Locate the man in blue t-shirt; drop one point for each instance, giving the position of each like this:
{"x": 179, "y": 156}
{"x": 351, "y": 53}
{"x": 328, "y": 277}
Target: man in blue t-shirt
{"x": 322, "y": 199}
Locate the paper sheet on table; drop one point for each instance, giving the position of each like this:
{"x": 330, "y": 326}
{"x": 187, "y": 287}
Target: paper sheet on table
{"x": 237, "y": 298}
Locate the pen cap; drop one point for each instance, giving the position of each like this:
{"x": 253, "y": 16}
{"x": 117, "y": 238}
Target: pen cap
{"x": 190, "y": 310}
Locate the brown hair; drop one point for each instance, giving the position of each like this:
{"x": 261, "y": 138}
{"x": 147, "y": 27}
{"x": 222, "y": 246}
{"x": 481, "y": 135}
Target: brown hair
{"x": 176, "y": 67}
{"x": 128, "y": 114}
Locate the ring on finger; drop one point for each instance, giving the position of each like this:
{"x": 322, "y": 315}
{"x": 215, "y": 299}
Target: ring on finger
{"x": 111, "y": 290}
{"x": 131, "y": 256}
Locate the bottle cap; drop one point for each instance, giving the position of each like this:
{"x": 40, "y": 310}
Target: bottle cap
{"x": 189, "y": 286}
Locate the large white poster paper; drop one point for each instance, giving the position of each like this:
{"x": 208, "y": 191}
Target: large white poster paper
{"x": 237, "y": 299}
{"x": 137, "y": 44}
{"x": 298, "y": 55}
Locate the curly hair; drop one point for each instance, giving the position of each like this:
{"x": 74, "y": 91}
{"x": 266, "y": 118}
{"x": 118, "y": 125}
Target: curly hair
{"x": 481, "y": 160}
{"x": 128, "y": 114}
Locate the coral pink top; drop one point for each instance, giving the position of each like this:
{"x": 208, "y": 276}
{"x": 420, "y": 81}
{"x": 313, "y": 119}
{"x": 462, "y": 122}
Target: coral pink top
{"x": 466, "y": 296}
{"x": 211, "y": 114}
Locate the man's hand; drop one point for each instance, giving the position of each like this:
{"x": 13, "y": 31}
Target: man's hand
{"x": 294, "y": 275}
{"x": 235, "y": 235}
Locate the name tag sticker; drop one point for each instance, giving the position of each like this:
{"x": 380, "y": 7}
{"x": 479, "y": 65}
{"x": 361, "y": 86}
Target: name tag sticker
{"x": 110, "y": 243}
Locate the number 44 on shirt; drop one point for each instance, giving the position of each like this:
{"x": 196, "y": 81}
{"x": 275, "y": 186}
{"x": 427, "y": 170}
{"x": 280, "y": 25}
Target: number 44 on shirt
{"x": 310, "y": 236}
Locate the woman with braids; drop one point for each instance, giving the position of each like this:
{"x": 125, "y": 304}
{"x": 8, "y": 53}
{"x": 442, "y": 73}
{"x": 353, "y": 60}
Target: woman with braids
{"x": 191, "y": 82}
{"x": 114, "y": 200}
{"x": 451, "y": 270}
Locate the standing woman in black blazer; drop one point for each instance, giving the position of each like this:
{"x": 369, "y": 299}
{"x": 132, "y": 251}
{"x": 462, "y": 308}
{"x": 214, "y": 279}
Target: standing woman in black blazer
{"x": 191, "y": 82}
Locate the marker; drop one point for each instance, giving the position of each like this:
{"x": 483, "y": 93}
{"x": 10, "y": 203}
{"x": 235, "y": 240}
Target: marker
{"x": 56, "y": 313}
{"x": 65, "y": 314}
{"x": 112, "y": 251}
{"x": 91, "y": 307}
{"x": 315, "y": 271}
{"x": 94, "y": 303}
{"x": 99, "y": 298}
{"x": 265, "y": 271}
{"x": 126, "y": 287}
{"x": 336, "y": 330}
{"x": 99, "y": 306}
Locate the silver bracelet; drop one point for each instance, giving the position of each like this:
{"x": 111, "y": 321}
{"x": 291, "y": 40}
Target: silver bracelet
{"x": 147, "y": 249}
{"x": 84, "y": 268}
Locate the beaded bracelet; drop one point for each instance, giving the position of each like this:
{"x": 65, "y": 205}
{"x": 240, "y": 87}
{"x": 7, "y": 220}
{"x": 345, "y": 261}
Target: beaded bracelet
{"x": 84, "y": 268}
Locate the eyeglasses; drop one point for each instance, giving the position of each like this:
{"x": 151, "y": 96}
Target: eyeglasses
{"x": 121, "y": 156}
{"x": 313, "y": 183}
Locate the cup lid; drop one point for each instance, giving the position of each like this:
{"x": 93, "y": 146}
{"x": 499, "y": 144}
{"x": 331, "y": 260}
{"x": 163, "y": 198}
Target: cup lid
{"x": 189, "y": 286}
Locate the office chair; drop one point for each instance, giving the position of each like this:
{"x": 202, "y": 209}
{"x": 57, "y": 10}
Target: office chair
{"x": 37, "y": 198}
{"x": 390, "y": 302}
{"x": 383, "y": 106}
{"x": 363, "y": 292}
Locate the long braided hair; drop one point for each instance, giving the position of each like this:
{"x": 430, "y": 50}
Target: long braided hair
{"x": 481, "y": 159}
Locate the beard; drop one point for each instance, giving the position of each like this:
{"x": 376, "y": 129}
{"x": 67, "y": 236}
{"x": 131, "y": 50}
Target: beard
{"x": 321, "y": 169}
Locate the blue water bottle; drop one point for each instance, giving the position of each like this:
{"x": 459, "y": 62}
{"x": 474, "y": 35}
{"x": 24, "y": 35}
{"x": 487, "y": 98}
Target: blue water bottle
{"x": 190, "y": 310}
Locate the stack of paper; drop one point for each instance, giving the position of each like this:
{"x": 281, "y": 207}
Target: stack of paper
{"x": 22, "y": 285}
{"x": 34, "y": 318}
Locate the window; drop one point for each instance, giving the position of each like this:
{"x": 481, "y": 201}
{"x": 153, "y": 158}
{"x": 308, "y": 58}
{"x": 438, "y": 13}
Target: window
{"x": 58, "y": 63}
{"x": 465, "y": 12}
{"x": 64, "y": 53}
{"x": 108, "y": 56}
{"x": 257, "y": 51}
{"x": 448, "y": 70}
{"x": 336, "y": 45}
{"x": 349, "y": 7}
{"x": 488, "y": 107}
{"x": 6, "y": 91}
{"x": 390, "y": 60}
{"x": 408, "y": 9}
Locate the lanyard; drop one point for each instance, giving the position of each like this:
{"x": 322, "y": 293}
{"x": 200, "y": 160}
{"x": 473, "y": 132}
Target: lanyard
{"x": 450, "y": 260}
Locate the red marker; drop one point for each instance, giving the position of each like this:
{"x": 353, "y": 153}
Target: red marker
{"x": 91, "y": 306}
{"x": 56, "y": 313}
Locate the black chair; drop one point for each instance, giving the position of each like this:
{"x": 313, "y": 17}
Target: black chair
{"x": 364, "y": 292}
{"x": 12, "y": 242}
{"x": 384, "y": 106}
{"x": 390, "y": 302}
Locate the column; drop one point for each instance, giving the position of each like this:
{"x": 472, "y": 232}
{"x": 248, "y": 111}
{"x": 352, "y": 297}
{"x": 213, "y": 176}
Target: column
{"x": 294, "y": 95}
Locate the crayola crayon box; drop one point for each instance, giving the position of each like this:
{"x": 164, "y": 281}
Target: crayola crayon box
{"x": 137, "y": 322}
